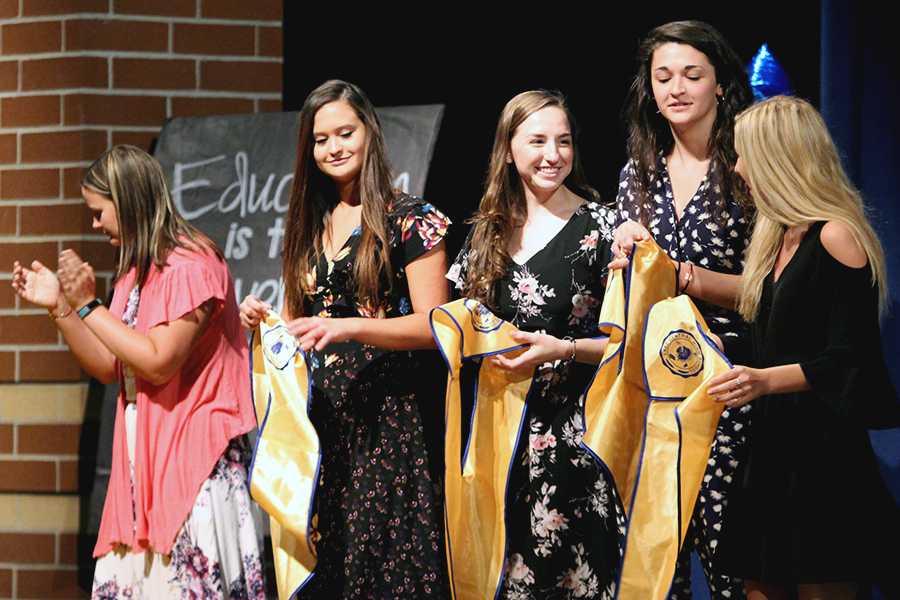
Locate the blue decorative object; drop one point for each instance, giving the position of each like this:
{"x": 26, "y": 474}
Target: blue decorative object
{"x": 767, "y": 77}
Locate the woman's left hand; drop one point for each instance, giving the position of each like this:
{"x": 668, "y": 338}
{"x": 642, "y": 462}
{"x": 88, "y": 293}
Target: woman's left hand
{"x": 318, "y": 332}
{"x": 738, "y": 386}
{"x": 542, "y": 348}
{"x": 76, "y": 278}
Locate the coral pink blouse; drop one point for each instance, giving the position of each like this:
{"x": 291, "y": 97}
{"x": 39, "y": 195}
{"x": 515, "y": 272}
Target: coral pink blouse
{"x": 184, "y": 425}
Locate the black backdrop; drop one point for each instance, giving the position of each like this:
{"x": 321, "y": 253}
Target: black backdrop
{"x": 474, "y": 62}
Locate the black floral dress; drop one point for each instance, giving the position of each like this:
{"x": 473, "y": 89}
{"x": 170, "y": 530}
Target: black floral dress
{"x": 565, "y": 522}
{"x": 713, "y": 237}
{"x": 378, "y": 503}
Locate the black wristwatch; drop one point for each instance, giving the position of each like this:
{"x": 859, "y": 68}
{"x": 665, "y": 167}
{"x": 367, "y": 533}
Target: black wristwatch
{"x": 89, "y": 307}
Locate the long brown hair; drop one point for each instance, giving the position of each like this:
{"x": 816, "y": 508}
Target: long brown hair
{"x": 649, "y": 133}
{"x": 502, "y": 206}
{"x": 314, "y": 195}
{"x": 149, "y": 225}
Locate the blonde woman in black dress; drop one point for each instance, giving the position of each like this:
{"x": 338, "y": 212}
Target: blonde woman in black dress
{"x": 811, "y": 517}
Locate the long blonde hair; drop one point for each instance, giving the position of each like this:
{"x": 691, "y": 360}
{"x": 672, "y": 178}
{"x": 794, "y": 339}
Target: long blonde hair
{"x": 502, "y": 207}
{"x": 149, "y": 225}
{"x": 795, "y": 178}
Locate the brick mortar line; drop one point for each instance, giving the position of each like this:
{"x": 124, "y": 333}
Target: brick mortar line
{"x": 62, "y": 237}
{"x": 19, "y": 312}
{"x": 78, "y": 128}
{"x": 49, "y": 202}
{"x": 37, "y": 566}
{"x": 41, "y": 457}
{"x": 140, "y": 18}
{"x": 142, "y": 54}
{"x": 34, "y": 166}
{"x": 31, "y": 348}
{"x": 183, "y": 92}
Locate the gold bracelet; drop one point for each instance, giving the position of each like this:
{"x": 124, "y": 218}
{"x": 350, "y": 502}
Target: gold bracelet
{"x": 572, "y": 356}
{"x": 55, "y": 317}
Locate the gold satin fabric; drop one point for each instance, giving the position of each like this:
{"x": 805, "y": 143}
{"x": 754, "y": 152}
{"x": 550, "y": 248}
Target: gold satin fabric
{"x": 475, "y": 489}
{"x": 285, "y": 466}
{"x": 681, "y": 420}
{"x": 648, "y": 417}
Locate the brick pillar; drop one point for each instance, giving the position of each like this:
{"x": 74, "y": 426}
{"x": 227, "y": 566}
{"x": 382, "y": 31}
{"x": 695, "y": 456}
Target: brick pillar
{"x": 77, "y": 76}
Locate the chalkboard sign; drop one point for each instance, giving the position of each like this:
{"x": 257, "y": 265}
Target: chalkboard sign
{"x": 231, "y": 176}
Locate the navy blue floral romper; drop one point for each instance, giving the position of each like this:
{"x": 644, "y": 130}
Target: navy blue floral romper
{"x": 713, "y": 238}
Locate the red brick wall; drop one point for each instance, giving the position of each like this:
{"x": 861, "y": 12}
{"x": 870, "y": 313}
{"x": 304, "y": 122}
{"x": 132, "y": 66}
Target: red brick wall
{"x": 77, "y": 76}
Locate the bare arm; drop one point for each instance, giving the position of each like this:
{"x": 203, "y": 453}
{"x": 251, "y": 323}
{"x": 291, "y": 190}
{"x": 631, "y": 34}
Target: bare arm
{"x": 40, "y": 286}
{"x": 720, "y": 289}
{"x": 544, "y": 348}
{"x": 427, "y": 288}
{"x": 93, "y": 356}
{"x": 741, "y": 384}
{"x": 154, "y": 357}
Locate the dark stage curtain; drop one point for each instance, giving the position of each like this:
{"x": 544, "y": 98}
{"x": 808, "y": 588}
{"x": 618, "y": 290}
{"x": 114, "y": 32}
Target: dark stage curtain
{"x": 860, "y": 96}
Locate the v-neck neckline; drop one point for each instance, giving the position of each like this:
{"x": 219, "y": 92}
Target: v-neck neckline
{"x": 353, "y": 233}
{"x": 777, "y": 278}
{"x": 551, "y": 240}
{"x": 668, "y": 181}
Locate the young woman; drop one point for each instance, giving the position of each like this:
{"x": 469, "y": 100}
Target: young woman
{"x": 679, "y": 188}
{"x": 363, "y": 265}
{"x": 536, "y": 255}
{"x": 811, "y": 515}
{"x": 177, "y": 519}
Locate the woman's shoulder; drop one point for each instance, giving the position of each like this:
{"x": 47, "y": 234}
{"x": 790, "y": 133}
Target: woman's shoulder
{"x": 597, "y": 216}
{"x": 411, "y": 214}
{"x": 405, "y": 204}
{"x": 840, "y": 243}
{"x": 196, "y": 257}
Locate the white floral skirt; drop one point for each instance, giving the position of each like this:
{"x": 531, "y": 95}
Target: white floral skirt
{"x": 217, "y": 551}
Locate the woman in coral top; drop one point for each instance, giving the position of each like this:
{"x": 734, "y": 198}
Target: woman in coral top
{"x": 177, "y": 519}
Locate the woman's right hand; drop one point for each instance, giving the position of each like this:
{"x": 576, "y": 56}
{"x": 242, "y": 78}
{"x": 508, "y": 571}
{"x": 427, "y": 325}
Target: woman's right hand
{"x": 624, "y": 238}
{"x": 253, "y": 310}
{"x": 37, "y": 285}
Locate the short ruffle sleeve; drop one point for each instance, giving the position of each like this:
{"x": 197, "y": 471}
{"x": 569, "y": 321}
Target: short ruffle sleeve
{"x": 459, "y": 269}
{"x": 420, "y": 226}
{"x": 182, "y": 288}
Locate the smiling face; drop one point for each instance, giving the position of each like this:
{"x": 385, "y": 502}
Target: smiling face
{"x": 104, "y": 214}
{"x": 684, "y": 85}
{"x": 339, "y": 141}
{"x": 542, "y": 150}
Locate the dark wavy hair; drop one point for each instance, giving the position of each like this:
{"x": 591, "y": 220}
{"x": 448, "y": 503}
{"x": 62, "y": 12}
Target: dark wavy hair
{"x": 649, "y": 133}
{"x": 314, "y": 195}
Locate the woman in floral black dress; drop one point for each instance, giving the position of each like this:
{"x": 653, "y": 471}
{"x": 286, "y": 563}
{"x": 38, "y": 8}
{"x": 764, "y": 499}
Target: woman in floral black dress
{"x": 564, "y": 517}
{"x": 363, "y": 265}
{"x": 679, "y": 184}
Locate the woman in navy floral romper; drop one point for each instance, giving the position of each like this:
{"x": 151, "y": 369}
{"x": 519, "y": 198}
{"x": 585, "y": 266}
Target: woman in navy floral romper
{"x": 679, "y": 188}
